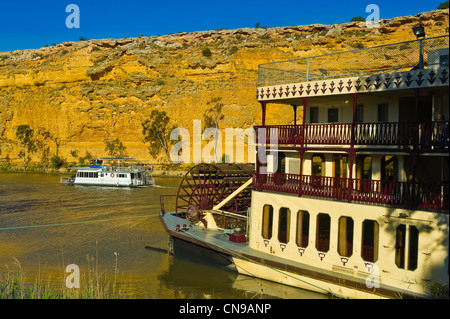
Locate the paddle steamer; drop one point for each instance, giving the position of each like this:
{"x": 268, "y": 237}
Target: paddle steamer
{"x": 350, "y": 200}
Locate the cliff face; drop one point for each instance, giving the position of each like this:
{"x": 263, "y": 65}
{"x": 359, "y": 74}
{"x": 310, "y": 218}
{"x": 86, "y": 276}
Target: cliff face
{"x": 88, "y": 91}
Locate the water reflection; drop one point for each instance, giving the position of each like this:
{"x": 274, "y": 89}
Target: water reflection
{"x": 116, "y": 249}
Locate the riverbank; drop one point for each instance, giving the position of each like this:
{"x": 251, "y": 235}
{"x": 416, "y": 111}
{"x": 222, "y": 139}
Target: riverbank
{"x": 171, "y": 170}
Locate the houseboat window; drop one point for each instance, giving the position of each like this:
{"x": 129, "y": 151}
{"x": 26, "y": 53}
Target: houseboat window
{"x": 345, "y": 236}
{"x": 359, "y": 113}
{"x": 318, "y": 165}
{"x": 400, "y": 243}
{"x": 340, "y": 165}
{"x": 363, "y": 173}
{"x": 267, "y": 221}
{"x": 302, "y": 229}
{"x": 413, "y": 247}
{"x": 383, "y": 112}
{"x": 333, "y": 115}
{"x": 389, "y": 168}
{"x": 121, "y": 175}
{"x": 323, "y": 232}
{"x": 370, "y": 237}
{"x": 400, "y": 246}
{"x": 281, "y": 163}
{"x": 284, "y": 219}
{"x": 314, "y": 114}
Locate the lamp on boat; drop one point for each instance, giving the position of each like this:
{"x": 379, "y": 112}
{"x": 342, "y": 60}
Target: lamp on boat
{"x": 419, "y": 31}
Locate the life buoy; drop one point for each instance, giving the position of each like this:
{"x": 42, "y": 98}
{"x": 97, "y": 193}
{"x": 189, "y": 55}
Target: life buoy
{"x": 112, "y": 175}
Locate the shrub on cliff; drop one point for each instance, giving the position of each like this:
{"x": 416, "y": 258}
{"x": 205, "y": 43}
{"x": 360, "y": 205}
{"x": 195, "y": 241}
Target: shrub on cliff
{"x": 206, "y": 52}
{"x": 443, "y": 5}
{"x": 56, "y": 161}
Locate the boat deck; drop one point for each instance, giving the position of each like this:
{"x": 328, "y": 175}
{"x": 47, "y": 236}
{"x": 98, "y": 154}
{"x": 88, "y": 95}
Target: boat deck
{"x": 217, "y": 240}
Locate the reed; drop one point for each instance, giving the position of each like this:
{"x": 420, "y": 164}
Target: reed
{"x": 93, "y": 285}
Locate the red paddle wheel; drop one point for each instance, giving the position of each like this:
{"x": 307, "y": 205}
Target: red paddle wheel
{"x": 206, "y": 185}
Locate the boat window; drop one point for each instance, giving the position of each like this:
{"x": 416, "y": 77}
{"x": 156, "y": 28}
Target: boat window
{"x": 404, "y": 233}
{"x": 333, "y": 115}
{"x": 413, "y": 247}
{"x": 345, "y": 236}
{"x": 340, "y": 165}
{"x": 389, "y": 169}
{"x": 314, "y": 115}
{"x": 363, "y": 173}
{"x": 400, "y": 243}
{"x": 302, "y": 237}
{"x": 318, "y": 165}
{"x": 359, "y": 113}
{"x": 383, "y": 112}
{"x": 284, "y": 218}
{"x": 323, "y": 232}
{"x": 370, "y": 237}
{"x": 267, "y": 221}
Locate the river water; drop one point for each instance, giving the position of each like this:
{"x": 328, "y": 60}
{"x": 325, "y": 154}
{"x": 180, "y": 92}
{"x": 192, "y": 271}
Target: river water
{"x": 114, "y": 249}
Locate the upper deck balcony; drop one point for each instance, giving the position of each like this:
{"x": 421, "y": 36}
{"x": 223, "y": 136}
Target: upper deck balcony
{"x": 406, "y": 65}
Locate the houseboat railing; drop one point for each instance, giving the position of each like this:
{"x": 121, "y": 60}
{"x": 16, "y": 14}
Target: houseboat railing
{"x": 397, "y": 57}
{"x": 431, "y": 135}
{"x": 392, "y": 193}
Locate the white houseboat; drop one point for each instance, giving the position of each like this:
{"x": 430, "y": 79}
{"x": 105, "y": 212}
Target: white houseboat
{"x": 351, "y": 201}
{"x": 102, "y": 175}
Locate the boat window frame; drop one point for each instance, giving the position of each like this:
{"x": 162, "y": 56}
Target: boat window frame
{"x": 375, "y": 240}
{"x": 267, "y": 222}
{"x": 302, "y": 228}
{"x": 284, "y": 221}
{"x": 345, "y": 236}
{"x": 323, "y": 232}
{"x": 406, "y": 247}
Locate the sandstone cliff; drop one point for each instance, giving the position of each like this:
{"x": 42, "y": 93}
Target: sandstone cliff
{"x": 85, "y": 92}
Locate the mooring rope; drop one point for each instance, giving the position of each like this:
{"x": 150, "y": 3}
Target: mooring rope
{"x": 77, "y": 223}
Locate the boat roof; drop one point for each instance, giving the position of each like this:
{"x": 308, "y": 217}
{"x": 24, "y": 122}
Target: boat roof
{"x": 97, "y": 168}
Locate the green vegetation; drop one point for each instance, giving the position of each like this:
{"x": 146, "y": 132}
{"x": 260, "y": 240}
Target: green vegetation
{"x": 438, "y": 290}
{"x": 115, "y": 148}
{"x": 357, "y": 19}
{"x": 443, "y": 5}
{"x": 26, "y": 137}
{"x": 93, "y": 285}
{"x": 211, "y": 119}
{"x": 156, "y": 132}
{"x": 206, "y": 52}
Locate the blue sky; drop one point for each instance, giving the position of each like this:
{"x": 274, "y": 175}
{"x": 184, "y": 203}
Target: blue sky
{"x": 26, "y": 24}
